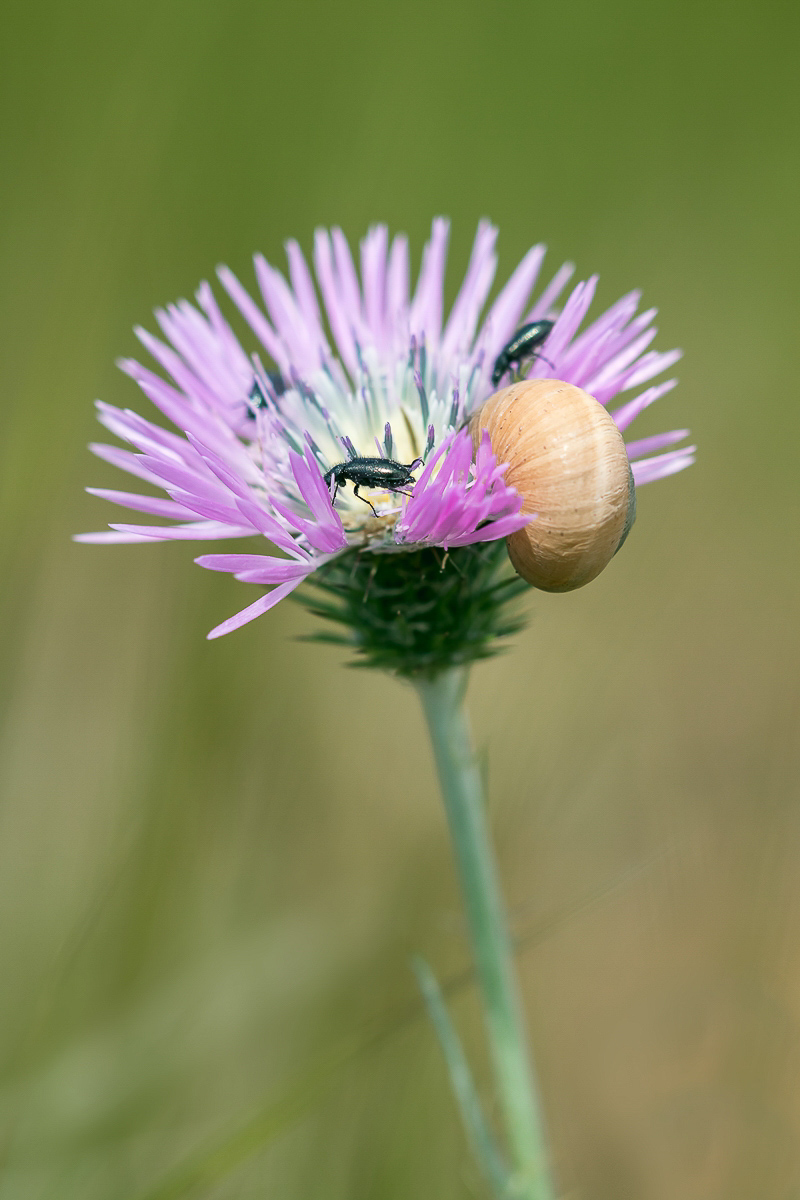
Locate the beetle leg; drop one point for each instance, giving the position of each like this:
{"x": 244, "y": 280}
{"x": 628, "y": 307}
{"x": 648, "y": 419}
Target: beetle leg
{"x": 364, "y": 498}
{"x": 526, "y": 364}
{"x": 552, "y": 366}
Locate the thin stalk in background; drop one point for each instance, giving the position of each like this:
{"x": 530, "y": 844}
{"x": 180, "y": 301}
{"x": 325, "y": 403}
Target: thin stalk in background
{"x": 442, "y": 698}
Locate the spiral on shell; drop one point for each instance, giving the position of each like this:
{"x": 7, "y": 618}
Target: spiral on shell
{"x": 567, "y": 460}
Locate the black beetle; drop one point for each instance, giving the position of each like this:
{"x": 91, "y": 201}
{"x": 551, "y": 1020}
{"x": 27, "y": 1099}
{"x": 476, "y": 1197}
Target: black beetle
{"x": 522, "y": 345}
{"x": 373, "y": 473}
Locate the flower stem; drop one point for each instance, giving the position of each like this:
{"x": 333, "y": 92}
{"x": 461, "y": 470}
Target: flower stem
{"x": 442, "y": 699}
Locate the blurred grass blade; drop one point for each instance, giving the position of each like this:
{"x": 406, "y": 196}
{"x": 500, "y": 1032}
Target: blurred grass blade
{"x": 211, "y": 1166}
{"x": 477, "y": 1129}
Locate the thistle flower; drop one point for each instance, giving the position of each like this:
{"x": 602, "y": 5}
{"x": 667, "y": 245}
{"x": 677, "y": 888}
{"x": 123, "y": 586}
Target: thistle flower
{"x": 395, "y": 382}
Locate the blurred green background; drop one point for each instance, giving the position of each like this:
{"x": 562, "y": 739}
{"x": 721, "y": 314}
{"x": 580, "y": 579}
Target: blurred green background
{"x": 217, "y": 858}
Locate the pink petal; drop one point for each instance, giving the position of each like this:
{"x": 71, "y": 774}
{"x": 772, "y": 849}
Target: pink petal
{"x": 104, "y": 538}
{"x": 374, "y": 249}
{"x": 255, "y": 318}
{"x": 306, "y": 296}
{"x": 174, "y": 365}
{"x": 155, "y": 505}
{"x": 650, "y": 365}
{"x": 266, "y": 524}
{"x": 198, "y": 532}
{"x": 425, "y": 315}
{"x": 658, "y": 442}
{"x": 647, "y": 470}
{"x": 504, "y": 315}
{"x": 628, "y": 413}
{"x": 262, "y": 605}
{"x": 303, "y": 344}
{"x": 349, "y": 289}
{"x": 499, "y": 528}
{"x": 570, "y": 318}
{"x": 256, "y": 568}
{"x": 126, "y": 461}
{"x": 397, "y": 290}
{"x": 453, "y": 507}
{"x": 338, "y": 316}
{"x": 550, "y": 294}
{"x": 460, "y": 328}
{"x": 611, "y": 371}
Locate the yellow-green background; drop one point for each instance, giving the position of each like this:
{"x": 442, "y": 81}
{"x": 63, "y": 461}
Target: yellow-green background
{"x": 215, "y": 859}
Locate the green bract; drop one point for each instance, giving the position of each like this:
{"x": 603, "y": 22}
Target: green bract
{"x": 419, "y": 612}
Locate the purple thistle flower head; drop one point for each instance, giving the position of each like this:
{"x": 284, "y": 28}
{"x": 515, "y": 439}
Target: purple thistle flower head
{"x": 395, "y": 382}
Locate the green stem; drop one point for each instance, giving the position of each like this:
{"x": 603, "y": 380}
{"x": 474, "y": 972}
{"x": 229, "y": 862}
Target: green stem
{"x": 443, "y": 701}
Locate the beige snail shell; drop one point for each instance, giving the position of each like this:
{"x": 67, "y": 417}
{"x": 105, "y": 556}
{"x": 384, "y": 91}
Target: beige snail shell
{"x": 568, "y": 461}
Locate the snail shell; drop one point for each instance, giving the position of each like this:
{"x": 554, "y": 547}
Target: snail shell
{"x": 567, "y": 460}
